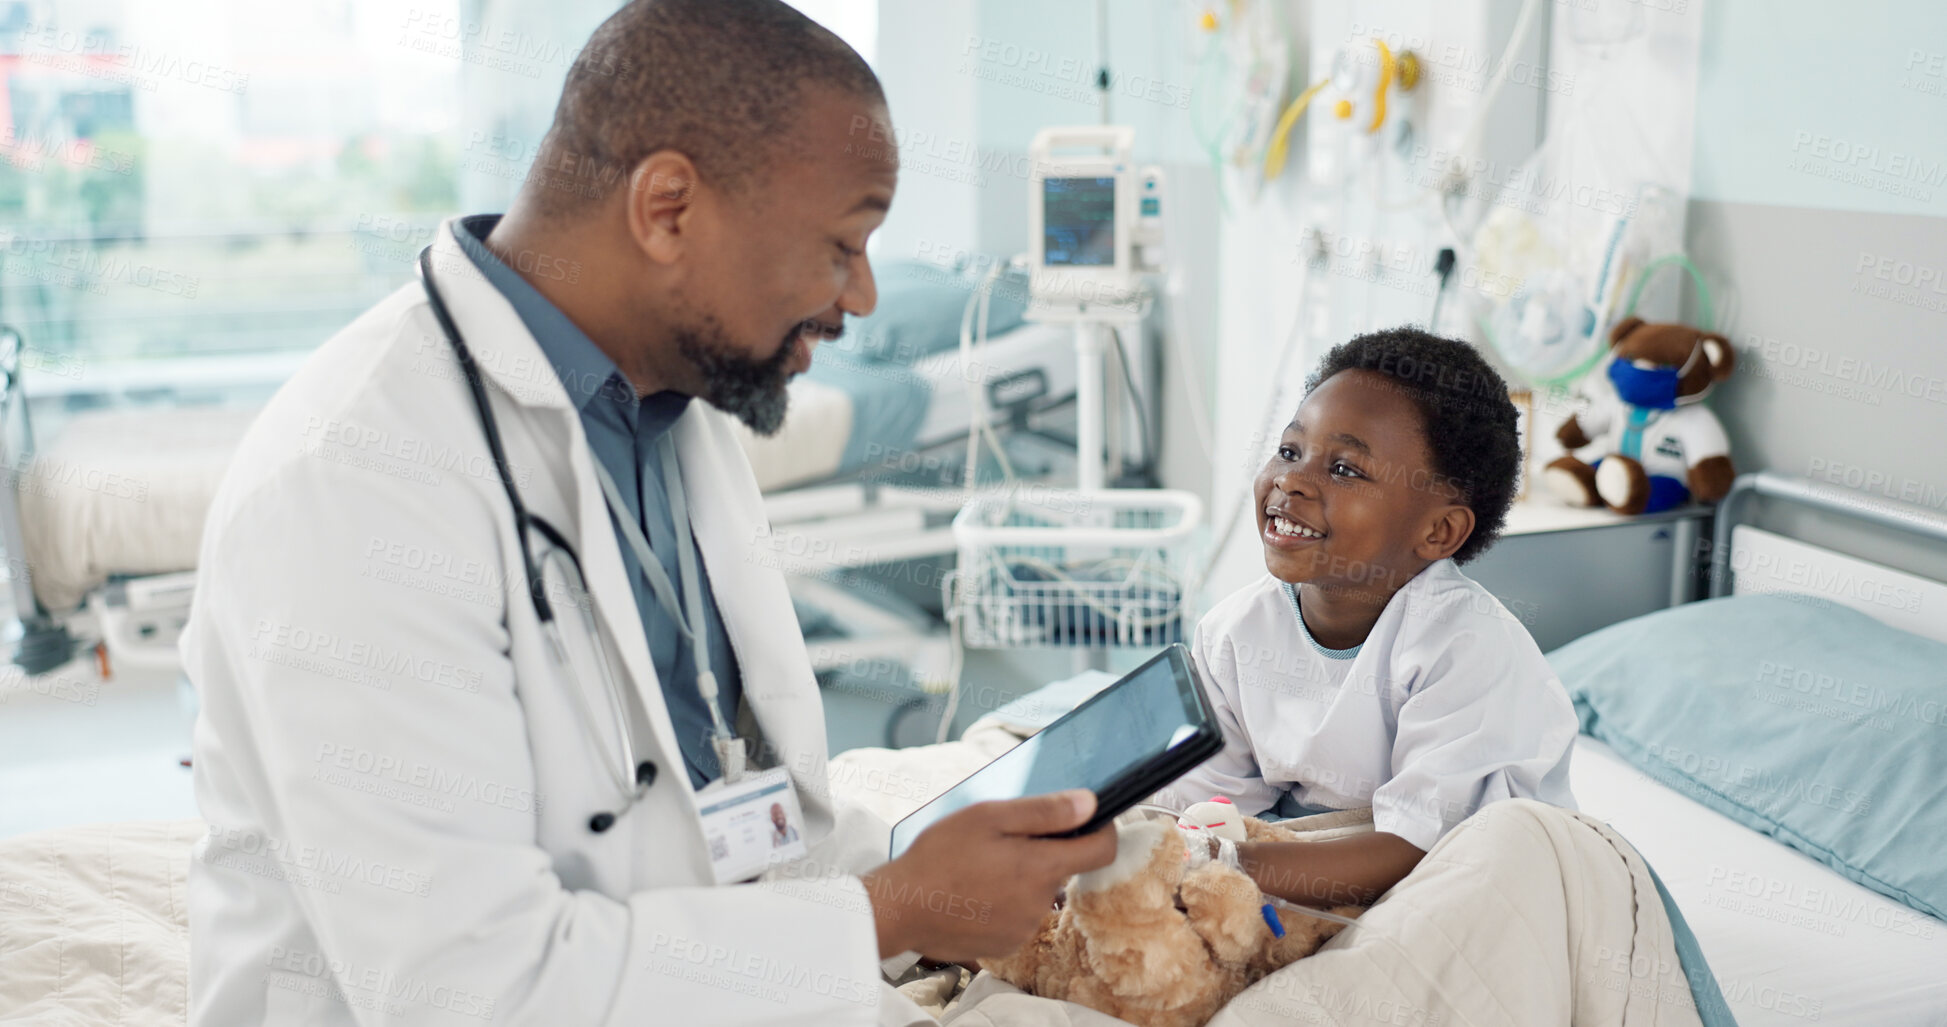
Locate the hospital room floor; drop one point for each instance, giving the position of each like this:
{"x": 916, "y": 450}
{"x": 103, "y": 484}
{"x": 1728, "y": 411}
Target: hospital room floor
{"x": 78, "y": 750}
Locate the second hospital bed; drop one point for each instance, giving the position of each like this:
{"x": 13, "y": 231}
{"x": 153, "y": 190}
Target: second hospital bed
{"x": 102, "y": 525}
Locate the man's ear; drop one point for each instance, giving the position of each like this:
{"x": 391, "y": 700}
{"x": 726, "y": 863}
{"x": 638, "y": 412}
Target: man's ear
{"x": 1717, "y": 350}
{"x": 1452, "y": 525}
{"x": 1623, "y": 328}
{"x": 660, "y": 199}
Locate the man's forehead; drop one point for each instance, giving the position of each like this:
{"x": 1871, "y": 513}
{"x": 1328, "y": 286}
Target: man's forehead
{"x": 851, "y": 131}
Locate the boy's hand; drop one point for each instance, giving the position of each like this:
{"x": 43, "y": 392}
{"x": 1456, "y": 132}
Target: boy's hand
{"x": 979, "y": 882}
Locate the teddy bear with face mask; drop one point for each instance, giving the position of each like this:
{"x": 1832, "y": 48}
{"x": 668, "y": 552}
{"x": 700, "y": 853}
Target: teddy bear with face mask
{"x": 1661, "y": 447}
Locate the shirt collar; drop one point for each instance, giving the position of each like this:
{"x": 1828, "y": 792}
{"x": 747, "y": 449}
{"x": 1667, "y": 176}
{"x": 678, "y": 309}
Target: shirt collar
{"x": 585, "y": 371}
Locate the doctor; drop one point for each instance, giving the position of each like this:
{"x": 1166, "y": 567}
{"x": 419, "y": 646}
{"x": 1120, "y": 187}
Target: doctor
{"x": 495, "y": 701}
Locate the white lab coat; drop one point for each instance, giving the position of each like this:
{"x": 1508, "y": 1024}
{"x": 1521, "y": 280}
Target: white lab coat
{"x": 393, "y": 766}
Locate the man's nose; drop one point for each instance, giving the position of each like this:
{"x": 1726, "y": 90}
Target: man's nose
{"x": 861, "y": 293}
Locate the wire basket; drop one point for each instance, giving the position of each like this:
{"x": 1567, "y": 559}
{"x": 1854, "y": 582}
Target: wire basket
{"x": 1074, "y": 570}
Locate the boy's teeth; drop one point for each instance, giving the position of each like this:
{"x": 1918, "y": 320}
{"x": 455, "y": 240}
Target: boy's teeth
{"x": 1285, "y": 527}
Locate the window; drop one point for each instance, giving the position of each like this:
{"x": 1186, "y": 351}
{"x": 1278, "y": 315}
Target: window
{"x": 228, "y": 178}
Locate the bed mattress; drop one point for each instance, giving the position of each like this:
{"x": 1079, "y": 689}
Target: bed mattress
{"x": 1789, "y": 940}
{"x": 123, "y": 492}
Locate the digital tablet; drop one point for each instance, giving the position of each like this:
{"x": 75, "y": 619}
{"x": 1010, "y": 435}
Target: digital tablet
{"x": 1125, "y": 743}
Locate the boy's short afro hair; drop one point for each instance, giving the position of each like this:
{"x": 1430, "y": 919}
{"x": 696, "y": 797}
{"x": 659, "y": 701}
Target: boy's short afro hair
{"x": 1467, "y": 418}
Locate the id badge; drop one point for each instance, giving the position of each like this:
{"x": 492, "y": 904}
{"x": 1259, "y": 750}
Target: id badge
{"x": 752, "y": 824}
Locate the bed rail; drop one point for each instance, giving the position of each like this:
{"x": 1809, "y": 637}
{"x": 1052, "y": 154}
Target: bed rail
{"x": 44, "y": 642}
{"x": 1811, "y": 495}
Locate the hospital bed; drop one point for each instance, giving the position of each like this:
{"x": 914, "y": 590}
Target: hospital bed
{"x": 101, "y": 526}
{"x": 103, "y": 523}
{"x": 1789, "y": 938}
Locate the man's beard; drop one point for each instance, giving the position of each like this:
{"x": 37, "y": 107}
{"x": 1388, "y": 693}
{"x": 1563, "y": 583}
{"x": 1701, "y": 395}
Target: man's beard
{"x": 752, "y": 391}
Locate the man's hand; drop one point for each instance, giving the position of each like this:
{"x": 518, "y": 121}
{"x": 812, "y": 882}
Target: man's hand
{"x": 979, "y": 882}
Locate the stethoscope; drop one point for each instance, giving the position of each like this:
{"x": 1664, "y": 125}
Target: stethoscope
{"x": 633, "y": 778}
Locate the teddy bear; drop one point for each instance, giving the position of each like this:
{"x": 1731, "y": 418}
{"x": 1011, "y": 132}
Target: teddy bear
{"x": 1660, "y": 447}
{"x": 1164, "y": 936}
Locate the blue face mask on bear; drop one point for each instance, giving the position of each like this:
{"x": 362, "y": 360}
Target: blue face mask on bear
{"x": 1655, "y": 388}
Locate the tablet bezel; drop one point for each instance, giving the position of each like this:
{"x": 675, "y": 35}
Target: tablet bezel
{"x": 1138, "y": 782}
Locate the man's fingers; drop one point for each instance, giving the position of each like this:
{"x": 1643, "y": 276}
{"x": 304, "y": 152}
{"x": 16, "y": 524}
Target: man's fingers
{"x": 1044, "y": 814}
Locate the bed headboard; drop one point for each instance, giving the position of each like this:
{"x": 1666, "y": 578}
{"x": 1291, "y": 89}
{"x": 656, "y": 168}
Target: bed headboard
{"x": 1747, "y": 560}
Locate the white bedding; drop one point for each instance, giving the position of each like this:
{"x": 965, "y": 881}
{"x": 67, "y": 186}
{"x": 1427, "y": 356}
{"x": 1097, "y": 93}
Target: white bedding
{"x": 123, "y": 492}
{"x": 1789, "y": 940}
{"x": 94, "y": 926}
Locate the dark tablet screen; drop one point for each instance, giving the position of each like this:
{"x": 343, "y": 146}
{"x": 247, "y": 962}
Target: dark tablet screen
{"x": 1099, "y": 745}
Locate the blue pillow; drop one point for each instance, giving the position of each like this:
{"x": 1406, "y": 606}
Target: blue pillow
{"x": 1798, "y": 717}
{"x": 919, "y": 311}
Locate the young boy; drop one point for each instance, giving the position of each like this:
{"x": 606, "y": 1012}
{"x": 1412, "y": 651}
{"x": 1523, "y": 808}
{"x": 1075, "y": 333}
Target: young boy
{"x": 1365, "y": 668}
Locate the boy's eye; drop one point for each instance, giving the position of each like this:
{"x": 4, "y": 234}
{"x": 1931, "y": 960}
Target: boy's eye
{"x": 1341, "y": 469}
{"x": 1286, "y": 453}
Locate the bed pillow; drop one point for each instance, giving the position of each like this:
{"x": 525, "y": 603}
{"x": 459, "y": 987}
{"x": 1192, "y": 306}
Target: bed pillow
{"x": 919, "y": 311}
{"x": 1797, "y": 717}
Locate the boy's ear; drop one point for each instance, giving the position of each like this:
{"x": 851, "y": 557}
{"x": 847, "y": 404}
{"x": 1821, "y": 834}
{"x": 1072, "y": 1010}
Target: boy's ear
{"x": 1449, "y": 530}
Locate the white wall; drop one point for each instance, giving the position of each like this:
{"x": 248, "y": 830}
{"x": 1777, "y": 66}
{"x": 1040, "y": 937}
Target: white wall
{"x": 1820, "y": 213}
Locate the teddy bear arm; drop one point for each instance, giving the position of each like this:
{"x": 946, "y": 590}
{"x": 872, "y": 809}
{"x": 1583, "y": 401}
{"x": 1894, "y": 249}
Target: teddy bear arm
{"x": 1571, "y": 435}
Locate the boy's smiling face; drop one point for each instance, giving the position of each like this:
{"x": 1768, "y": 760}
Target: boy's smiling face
{"x": 1349, "y": 497}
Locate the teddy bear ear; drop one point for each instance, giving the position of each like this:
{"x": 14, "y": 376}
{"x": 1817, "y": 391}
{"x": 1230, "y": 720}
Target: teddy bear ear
{"x": 1717, "y": 350}
{"x": 1623, "y": 328}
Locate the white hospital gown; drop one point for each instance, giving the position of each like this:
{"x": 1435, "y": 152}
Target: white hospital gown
{"x": 1448, "y": 705}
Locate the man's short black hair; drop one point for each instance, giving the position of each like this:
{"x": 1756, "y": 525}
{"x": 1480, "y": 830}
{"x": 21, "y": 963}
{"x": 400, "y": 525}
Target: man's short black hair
{"x": 1469, "y": 422}
{"x": 720, "y": 81}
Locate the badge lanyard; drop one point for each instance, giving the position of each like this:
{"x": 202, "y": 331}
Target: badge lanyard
{"x": 729, "y": 749}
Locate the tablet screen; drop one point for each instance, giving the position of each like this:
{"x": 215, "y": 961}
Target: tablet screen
{"x": 1119, "y": 729}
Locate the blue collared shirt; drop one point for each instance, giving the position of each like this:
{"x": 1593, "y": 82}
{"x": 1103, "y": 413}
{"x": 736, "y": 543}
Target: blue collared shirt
{"x": 623, "y": 433}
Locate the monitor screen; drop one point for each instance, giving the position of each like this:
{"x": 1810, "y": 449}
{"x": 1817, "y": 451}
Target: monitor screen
{"x": 1078, "y": 222}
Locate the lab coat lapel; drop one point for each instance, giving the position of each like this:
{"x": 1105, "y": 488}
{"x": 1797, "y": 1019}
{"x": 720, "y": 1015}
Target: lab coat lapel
{"x": 727, "y": 515}
{"x": 514, "y": 363}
